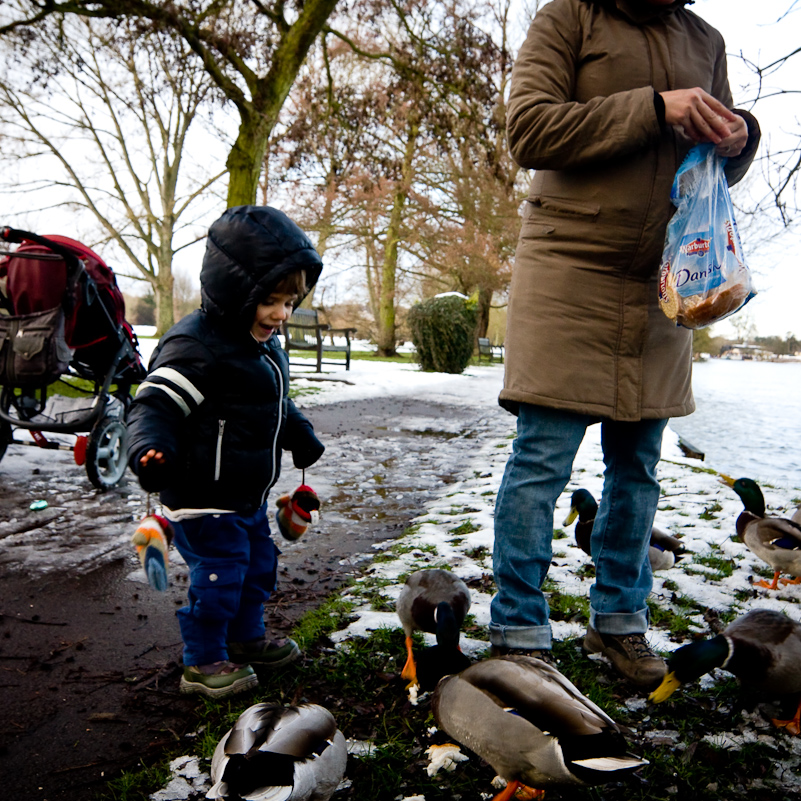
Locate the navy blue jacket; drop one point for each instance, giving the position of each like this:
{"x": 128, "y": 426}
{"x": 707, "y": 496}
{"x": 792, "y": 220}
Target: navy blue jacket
{"x": 215, "y": 401}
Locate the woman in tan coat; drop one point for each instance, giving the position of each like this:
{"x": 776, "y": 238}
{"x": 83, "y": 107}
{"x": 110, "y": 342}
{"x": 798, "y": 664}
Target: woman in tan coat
{"x": 607, "y": 98}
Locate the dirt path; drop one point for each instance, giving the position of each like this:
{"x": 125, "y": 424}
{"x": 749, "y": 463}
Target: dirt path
{"x": 90, "y": 656}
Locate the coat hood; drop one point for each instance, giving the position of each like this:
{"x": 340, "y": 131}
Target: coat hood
{"x": 248, "y": 251}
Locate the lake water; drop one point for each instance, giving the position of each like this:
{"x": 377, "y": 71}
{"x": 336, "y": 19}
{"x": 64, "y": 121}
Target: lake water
{"x": 748, "y": 419}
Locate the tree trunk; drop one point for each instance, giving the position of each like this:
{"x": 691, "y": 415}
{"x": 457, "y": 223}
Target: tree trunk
{"x": 386, "y": 301}
{"x": 163, "y": 291}
{"x": 260, "y": 114}
{"x": 385, "y": 335}
{"x": 484, "y": 304}
{"x": 245, "y": 160}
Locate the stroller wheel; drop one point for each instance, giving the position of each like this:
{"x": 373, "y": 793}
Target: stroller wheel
{"x": 5, "y": 436}
{"x": 107, "y": 452}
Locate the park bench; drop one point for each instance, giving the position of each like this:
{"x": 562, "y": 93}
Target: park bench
{"x": 304, "y": 331}
{"x": 489, "y": 351}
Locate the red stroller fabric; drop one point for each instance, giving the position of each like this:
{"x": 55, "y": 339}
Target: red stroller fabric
{"x": 91, "y": 330}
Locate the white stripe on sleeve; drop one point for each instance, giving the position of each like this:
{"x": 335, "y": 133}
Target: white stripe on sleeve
{"x": 169, "y": 392}
{"x": 180, "y": 380}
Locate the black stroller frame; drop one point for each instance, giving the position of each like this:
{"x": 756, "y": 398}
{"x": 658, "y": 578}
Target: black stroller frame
{"x": 101, "y": 442}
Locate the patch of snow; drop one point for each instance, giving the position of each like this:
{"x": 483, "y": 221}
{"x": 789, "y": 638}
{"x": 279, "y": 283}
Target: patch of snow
{"x": 187, "y": 780}
{"x": 455, "y": 526}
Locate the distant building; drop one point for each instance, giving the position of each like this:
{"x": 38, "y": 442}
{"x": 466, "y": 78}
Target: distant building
{"x": 743, "y": 351}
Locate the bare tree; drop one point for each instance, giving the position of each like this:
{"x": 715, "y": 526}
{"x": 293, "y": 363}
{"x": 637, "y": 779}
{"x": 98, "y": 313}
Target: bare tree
{"x": 109, "y": 124}
{"x": 394, "y": 144}
{"x": 252, "y": 51}
{"x": 778, "y": 79}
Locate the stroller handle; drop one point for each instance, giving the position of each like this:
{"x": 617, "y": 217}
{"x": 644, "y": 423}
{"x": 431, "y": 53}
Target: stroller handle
{"x": 15, "y": 236}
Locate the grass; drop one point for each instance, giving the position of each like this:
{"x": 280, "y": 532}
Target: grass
{"x": 360, "y": 683}
{"x": 399, "y": 358}
{"x": 569, "y": 607}
{"x": 363, "y": 355}
{"x": 664, "y": 617}
{"x": 81, "y": 388}
{"x": 710, "y": 512}
{"x": 136, "y": 784}
{"x": 722, "y": 567}
{"x": 466, "y": 527}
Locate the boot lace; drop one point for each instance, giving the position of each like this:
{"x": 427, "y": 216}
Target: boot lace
{"x": 639, "y": 646}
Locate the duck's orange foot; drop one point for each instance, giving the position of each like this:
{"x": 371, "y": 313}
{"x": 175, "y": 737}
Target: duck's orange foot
{"x": 409, "y": 671}
{"x": 795, "y": 580}
{"x": 524, "y": 793}
{"x": 519, "y": 791}
{"x": 792, "y": 726}
{"x": 774, "y": 585}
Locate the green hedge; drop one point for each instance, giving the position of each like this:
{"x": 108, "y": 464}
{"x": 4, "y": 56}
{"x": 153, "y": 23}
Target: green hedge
{"x": 443, "y": 331}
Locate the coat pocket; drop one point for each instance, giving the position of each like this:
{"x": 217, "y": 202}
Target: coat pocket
{"x": 562, "y": 207}
{"x": 217, "y": 590}
{"x": 33, "y": 350}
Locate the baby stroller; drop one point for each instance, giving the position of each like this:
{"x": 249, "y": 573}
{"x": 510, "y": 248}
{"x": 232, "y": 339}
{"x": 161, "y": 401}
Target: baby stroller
{"x": 63, "y": 334}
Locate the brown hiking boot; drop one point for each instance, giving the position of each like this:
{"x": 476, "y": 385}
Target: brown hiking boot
{"x": 543, "y": 654}
{"x": 630, "y": 654}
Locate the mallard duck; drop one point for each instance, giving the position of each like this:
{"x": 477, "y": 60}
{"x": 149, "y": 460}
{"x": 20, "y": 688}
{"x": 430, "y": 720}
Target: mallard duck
{"x": 531, "y": 724}
{"x": 435, "y": 601}
{"x": 276, "y": 753}
{"x": 762, "y": 648}
{"x": 775, "y": 540}
{"x": 664, "y": 550}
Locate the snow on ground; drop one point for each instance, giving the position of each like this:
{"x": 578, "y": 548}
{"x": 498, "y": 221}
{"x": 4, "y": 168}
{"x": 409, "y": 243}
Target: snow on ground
{"x": 695, "y": 506}
{"x": 456, "y": 528}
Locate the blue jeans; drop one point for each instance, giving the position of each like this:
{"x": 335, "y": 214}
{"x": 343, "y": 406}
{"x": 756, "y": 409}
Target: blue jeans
{"x": 536, "y": 474}
{"x": 232, "y": 564}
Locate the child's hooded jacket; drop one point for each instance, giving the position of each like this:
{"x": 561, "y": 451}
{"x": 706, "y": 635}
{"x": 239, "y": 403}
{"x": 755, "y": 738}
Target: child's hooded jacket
{"x": 215, "y": 400}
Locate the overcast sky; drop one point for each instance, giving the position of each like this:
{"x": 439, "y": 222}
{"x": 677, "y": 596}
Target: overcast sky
{"x": 761, "y": 32}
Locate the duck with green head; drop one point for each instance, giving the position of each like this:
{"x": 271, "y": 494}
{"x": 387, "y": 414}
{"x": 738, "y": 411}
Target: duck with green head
{"x": 775, "y": 540}
{"x": 761, "y": 648}
{"x": 664, "y": 550}
{"x": 532, "y": 725}
{"x": 436, "y": 601}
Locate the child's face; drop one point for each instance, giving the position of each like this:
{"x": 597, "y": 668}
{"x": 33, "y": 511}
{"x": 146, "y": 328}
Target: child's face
{"x": 270, "y": 314}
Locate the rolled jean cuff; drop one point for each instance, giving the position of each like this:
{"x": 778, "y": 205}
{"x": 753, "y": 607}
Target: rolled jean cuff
{"x": 620, "y": 622}
{"x": 528, "y": 637}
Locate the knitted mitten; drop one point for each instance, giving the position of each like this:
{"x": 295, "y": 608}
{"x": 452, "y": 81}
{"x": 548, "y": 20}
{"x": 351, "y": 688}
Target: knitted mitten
{"x": 152, "y": 539}
{"x": 298, "y": 511}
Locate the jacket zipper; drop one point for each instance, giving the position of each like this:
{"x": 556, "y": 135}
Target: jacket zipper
{"x": 277, "y": 426}
{"x": 218, "y": 454}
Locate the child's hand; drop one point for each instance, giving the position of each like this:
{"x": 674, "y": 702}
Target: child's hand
{"x": 157, "y": 457}
{"x": 153, "y": 470}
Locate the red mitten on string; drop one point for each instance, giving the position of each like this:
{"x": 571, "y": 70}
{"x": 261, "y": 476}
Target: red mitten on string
{"x": 297, "y": 512}
{"x": 152, "y": 539}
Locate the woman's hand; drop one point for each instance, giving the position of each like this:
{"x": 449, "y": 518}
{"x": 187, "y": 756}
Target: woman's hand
{"x": 705, "y": 119}
{"x": 733, "y": 145}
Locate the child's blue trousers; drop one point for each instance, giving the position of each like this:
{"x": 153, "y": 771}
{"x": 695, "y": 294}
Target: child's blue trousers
{"x": 232, "y": 564}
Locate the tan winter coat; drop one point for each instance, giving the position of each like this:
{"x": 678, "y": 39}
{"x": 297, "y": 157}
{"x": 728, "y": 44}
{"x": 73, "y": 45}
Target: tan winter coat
{"x": 585, "y": 332}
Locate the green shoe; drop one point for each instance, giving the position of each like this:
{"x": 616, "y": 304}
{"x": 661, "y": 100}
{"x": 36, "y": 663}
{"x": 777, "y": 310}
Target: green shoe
{"x": 269, "y": 653}
{"x": 218, "y": 679}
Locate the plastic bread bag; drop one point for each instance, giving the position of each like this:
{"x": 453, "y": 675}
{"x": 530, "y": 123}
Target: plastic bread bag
{"x": 702, "y": 276}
